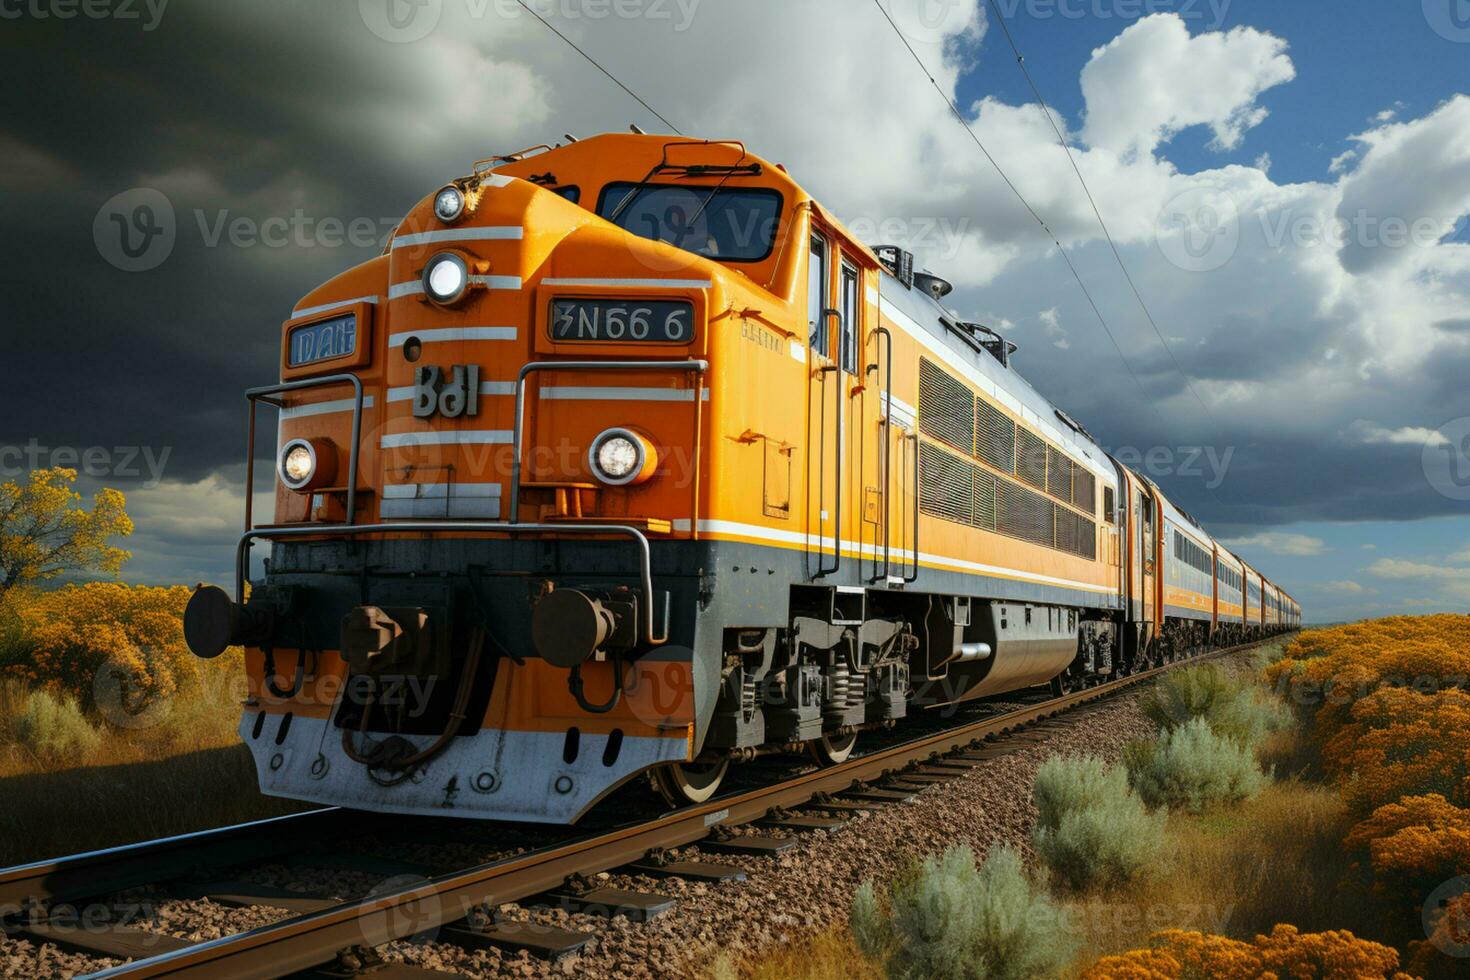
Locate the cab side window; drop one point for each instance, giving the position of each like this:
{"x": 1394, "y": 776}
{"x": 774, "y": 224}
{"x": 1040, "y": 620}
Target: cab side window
{"x": 816, "y": 296}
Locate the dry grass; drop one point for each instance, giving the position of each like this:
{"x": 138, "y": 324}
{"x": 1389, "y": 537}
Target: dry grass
{"x": 1237, "y": 872}
{"x": 831, "y": 955}
{"x": 186, "y": 772}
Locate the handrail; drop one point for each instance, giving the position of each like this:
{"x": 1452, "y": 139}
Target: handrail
{"x": 822, "y": 570}
{"x": 698, "y": 366}
{"x": 887, "y": 336}
{"x": 914, "y": 437}
{"x": 645, "y": 555}
{"x": 256, "y": 395}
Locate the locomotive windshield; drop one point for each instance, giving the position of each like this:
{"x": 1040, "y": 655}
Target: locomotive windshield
{"x": 726, "y": 223}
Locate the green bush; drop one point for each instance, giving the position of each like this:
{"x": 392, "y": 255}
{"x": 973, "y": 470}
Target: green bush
{"x": 1233, "y": 705}
{"x": 947, "y": 918}
{"x": 1192, "y": 768}
{"x": 1092, "y": 828}
{"x": 55, "y": 729}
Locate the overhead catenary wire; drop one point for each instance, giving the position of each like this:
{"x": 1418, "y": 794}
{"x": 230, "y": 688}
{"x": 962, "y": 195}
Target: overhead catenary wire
{"x": 1071, "y": 158}
{"x": 595, "y": 64}
{"x": 965, "y": 124}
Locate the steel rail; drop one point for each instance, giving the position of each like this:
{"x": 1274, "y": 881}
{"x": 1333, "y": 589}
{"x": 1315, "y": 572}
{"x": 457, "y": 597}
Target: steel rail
{"x": 309, "y": 940}
{"x": 94, "y": 873}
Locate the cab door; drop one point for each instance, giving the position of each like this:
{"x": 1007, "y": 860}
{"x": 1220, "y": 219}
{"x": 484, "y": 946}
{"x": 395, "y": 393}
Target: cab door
{"x": 1146, "y": 561}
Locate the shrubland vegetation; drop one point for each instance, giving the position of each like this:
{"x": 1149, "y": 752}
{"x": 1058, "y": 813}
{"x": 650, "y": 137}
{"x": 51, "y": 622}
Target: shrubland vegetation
{"x": 1304, "y": 813}
{"x": 110, "y": 729}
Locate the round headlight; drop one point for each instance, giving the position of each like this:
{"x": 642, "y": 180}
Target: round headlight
{"x": 306, "y": 465}
{"x": 446, "y": 278}
{"x": 449, "y": 204}
{"x": 298, "y": 464}
{"x": 619, "y": 457}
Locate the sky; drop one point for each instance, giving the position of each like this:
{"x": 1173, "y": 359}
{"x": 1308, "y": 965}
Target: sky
{"x": 1286, "y": 182}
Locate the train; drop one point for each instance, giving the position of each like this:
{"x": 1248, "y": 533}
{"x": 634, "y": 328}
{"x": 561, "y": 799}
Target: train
{"x": 627, "y": 459}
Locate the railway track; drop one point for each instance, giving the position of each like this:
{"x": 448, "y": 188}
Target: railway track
{"x": 457, "y": 905}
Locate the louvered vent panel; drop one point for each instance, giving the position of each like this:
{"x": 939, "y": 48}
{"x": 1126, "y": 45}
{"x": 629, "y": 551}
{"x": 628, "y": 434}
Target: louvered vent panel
{"x": 1066, "y": 531}
{"x": 1025, "y": 515}
{"x": 984, "y": 515}
{"x": 1031, "y": 458}
{"x": 1086, "y": 538}
{"x": 995, "y": 437}
{"x": 946, "y": 485}
{"x": 1058, "y": 475}
{"x": 946, "y": 407}
{"x": 1084, "y": 490}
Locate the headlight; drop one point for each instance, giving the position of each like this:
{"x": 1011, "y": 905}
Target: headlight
{"x": 620, "y": 457}
{"x": 306, "y": 465}
{"x": 446, "y": 278}
{"x": 449, "y": 204}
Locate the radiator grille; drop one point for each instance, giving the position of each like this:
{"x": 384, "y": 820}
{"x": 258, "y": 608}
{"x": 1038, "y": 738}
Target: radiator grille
{"x": 1066, "y": 531}
{"x": 1084, "y": 490}
{"x": 946, "y": 407}
{"x": 1086, "y": 540}
{"x": 1058, "y": 475}
{"x": 1025, "y": 515}
{"x": 1031, "y": 458}
{"x": 984, "y": 515}
{"x": 995, "y": 437}
{"x": 946, "y": 485}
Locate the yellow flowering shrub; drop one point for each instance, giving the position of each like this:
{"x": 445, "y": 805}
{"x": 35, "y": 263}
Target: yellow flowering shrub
{"x": 68, "y": 636}
{"x": 1415, "y": 843}
{"x": 1285, "y": 954}
{"x": 1327, "y": 671}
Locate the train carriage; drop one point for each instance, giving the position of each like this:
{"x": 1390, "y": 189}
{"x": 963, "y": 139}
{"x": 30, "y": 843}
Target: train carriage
{"x": 1229, "y": 601}
{"x": 626, "y": 458}
{"x": 1189, "y": 580}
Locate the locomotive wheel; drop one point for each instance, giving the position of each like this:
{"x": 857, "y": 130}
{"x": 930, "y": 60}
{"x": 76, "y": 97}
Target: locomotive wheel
{"x": 683, "y": 783}
{"x": 830, "y": 750}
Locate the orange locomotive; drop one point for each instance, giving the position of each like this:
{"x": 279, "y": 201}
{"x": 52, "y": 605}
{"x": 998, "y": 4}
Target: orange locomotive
{"x": 626, "y": 457}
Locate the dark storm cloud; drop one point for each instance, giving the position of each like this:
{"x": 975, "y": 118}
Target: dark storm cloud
{"x": 231, "y": 120}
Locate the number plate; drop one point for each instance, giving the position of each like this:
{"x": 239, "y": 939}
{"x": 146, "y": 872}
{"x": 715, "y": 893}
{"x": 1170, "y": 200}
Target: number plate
{"x": 323, "y": 340}
{"x": 616, "y": 321}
